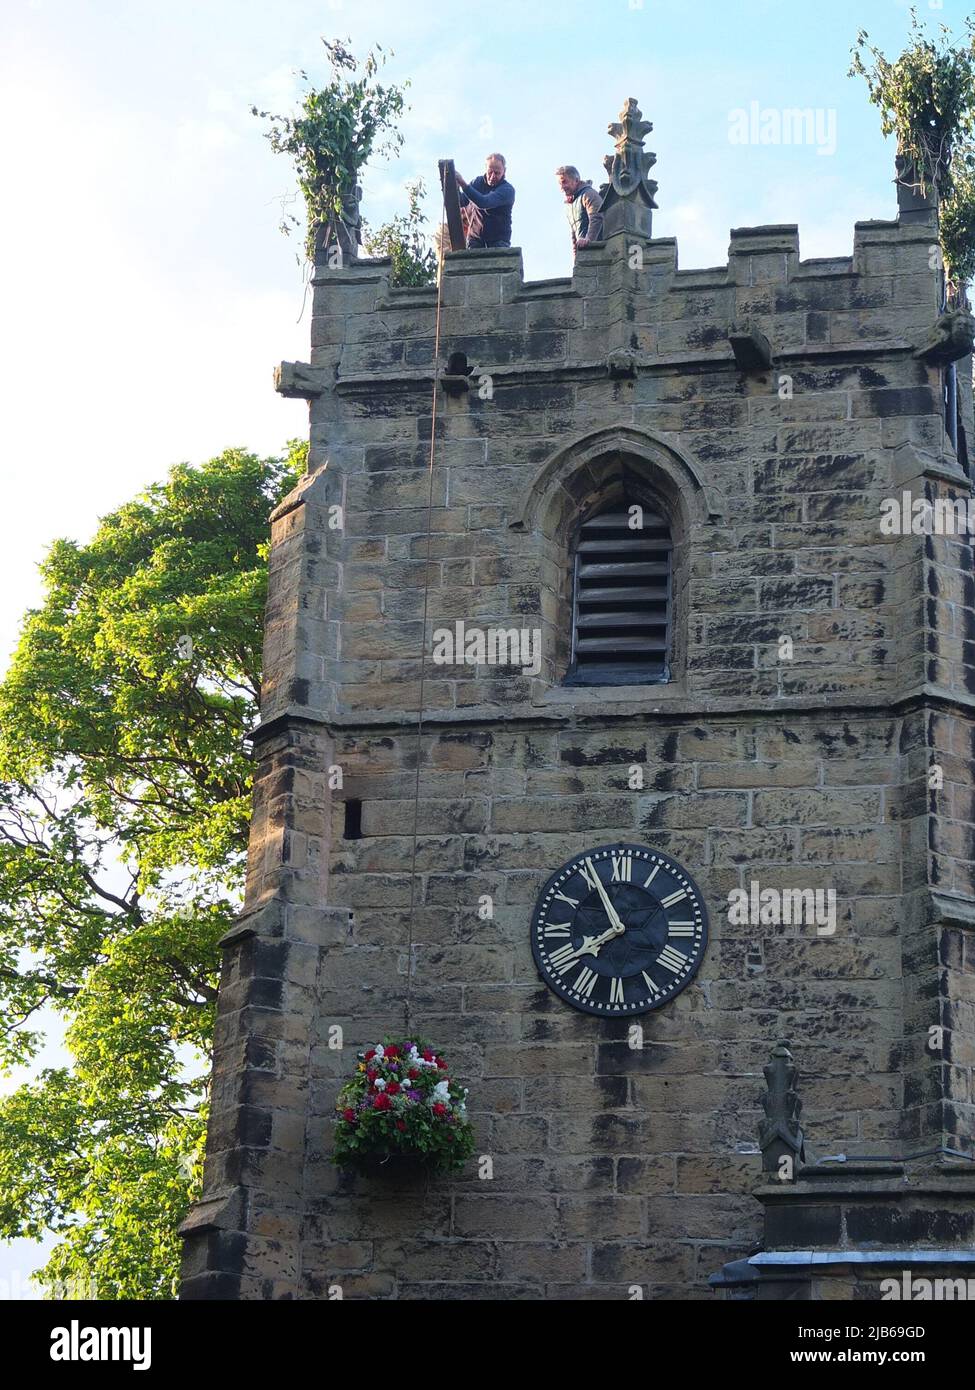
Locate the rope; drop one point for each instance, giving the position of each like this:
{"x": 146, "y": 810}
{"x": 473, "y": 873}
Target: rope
{"x": 423, "y": 640}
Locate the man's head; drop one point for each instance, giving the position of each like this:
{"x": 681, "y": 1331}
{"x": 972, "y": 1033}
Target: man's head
{"x": 568, "y": 177}
{"x": 494, "y": 168}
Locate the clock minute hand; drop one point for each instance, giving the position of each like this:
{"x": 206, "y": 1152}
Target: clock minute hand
{"x": 610, "y": 909}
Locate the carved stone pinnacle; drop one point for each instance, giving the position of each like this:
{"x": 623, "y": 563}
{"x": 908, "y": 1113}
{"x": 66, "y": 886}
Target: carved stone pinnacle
{"x": 628, "y": 197}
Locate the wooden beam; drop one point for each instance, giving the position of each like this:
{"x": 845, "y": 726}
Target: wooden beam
{"x": 448, "y": 182}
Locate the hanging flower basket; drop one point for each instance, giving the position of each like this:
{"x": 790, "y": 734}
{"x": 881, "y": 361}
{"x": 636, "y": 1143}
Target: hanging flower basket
{"x": 401, "y": 1112}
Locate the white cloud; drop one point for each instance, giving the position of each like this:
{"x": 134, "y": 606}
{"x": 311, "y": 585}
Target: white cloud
{"x": 200, "y": 138}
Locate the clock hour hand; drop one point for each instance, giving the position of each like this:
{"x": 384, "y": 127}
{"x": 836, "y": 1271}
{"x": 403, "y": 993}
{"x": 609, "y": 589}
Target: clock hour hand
{"x": 591, "y": 945}
{"x": 611, "y": 912}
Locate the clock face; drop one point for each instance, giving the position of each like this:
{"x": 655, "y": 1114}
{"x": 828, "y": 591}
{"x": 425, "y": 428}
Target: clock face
{"x": 619, "y": 930}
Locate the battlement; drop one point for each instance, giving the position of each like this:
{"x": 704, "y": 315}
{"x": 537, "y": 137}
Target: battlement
{"x": 629, "y": 293}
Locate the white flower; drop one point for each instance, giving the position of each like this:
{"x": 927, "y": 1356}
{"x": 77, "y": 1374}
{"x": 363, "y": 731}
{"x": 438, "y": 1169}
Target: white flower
{"x": 379, "y": 1084}
{"x": 380, "y": 1051}
{"x": 440, "y": 1093}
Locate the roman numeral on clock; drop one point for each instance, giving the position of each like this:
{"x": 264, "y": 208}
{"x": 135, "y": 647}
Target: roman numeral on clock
{"x": 558, "y": 929}
{"x": 616, "y": 990}
{"x": 677, "y": 897}
{"x": 680, "y": 928}
{"x": 585, "y": 981}
{"x": 673, "y": 960}
{"x": 589, "y": 873}
{"x": 573, "y": 902}
{"x": 652, "y": 986}
{"x": 563, "y": 957}
{"x": 652, "y": 875}
{"x": 622, "y": 868}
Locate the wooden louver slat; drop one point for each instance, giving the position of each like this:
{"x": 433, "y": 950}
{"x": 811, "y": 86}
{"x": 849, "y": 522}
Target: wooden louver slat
{"x": 621, "y": 600}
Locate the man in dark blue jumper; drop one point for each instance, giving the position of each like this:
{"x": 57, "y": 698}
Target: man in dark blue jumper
{"x": 494, "y": 196}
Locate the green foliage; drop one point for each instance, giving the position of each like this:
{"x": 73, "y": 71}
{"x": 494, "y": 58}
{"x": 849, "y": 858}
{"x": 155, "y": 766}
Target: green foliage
{"x": 957, "y": 226}
{"x": 333, "y": 135}
{"x": 406, "y": 241}
{"x": 401, "y": 1101}
{"x": 124, "y": 798}
{"x": 927, "y": 100}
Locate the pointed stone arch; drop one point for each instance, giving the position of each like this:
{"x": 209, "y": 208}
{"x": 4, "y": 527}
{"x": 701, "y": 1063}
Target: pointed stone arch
{"x": 601, "y": 467}
{"x": 592, "y": 465}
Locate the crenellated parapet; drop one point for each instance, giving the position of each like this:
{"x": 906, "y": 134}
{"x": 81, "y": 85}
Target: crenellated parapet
{"x": 632, "y": 294}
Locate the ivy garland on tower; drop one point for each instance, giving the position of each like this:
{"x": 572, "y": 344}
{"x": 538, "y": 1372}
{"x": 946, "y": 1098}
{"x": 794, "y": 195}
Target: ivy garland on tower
{"x": 337, "y": 128}
{"x": 927, "y": 100}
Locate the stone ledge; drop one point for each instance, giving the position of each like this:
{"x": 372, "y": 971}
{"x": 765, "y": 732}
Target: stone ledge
{"x": 357, "y": 383}
{"x": 953, "y": 908}
{"x": 904, "y": 1257}
{"x": 625, "y": 707}
{"x": 223, "y": 1212}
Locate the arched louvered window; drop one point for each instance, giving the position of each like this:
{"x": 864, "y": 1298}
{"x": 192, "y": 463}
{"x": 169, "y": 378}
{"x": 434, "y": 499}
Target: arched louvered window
{"x": 621, "y": 597}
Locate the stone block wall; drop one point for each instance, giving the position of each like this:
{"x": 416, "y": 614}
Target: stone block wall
{"x": 613, "y": 1165}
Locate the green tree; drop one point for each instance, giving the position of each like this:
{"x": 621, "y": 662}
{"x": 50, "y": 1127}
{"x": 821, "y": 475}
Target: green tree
{"x": 405, "y": 240}
{"x": 124, "y": 795}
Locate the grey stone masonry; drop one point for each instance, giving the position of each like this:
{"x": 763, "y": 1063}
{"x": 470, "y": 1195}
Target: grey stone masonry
{"x": 817, "y": 732}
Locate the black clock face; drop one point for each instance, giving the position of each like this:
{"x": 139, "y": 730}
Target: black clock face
{"x": 619, "y": 930}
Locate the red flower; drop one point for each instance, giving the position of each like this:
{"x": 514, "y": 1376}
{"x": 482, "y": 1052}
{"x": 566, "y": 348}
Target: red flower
{"x": 442, "y": 1064}
{"x": 369, "y": 1055}
{"x": 400, "y": 1124}
{"x": 392, "y": 1051}
{"x": 439, "y": 1109}
{"x": 349, "y": 1115}
{"x": 428, "y": 1055}
{"x": 412, "y": 1074}
{"x": 382, "y": 1102}
{"x": 371, "y": 1075}
{"x": 392, "y": 1088}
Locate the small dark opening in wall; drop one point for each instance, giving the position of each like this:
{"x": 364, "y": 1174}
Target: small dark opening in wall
{"x": 353, "y": 820}
{"x": 457, "y": 364}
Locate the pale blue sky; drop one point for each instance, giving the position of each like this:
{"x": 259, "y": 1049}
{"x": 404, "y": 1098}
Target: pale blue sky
{"x": 148, "y": 293}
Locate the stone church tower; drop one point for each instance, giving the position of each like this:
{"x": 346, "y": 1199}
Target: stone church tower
{"x": 760, "y": 689}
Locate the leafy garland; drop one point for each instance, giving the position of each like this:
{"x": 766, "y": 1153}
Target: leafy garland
{"x": 927, "y": 99}
{"x": 405, "y": 240}
{"x": 332, "y": 137}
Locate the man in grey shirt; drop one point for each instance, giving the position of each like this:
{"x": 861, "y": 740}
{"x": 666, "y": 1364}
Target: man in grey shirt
{"x": 582, "y": 206}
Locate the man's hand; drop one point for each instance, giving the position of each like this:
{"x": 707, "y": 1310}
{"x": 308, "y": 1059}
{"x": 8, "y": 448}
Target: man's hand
{"x": 583, "y": 241}
{"x": 461, "y": 181}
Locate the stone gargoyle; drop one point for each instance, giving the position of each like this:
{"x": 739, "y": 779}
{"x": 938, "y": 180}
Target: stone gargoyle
{"x": 950, "y": 338}
{"x": 622, "y": 364}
